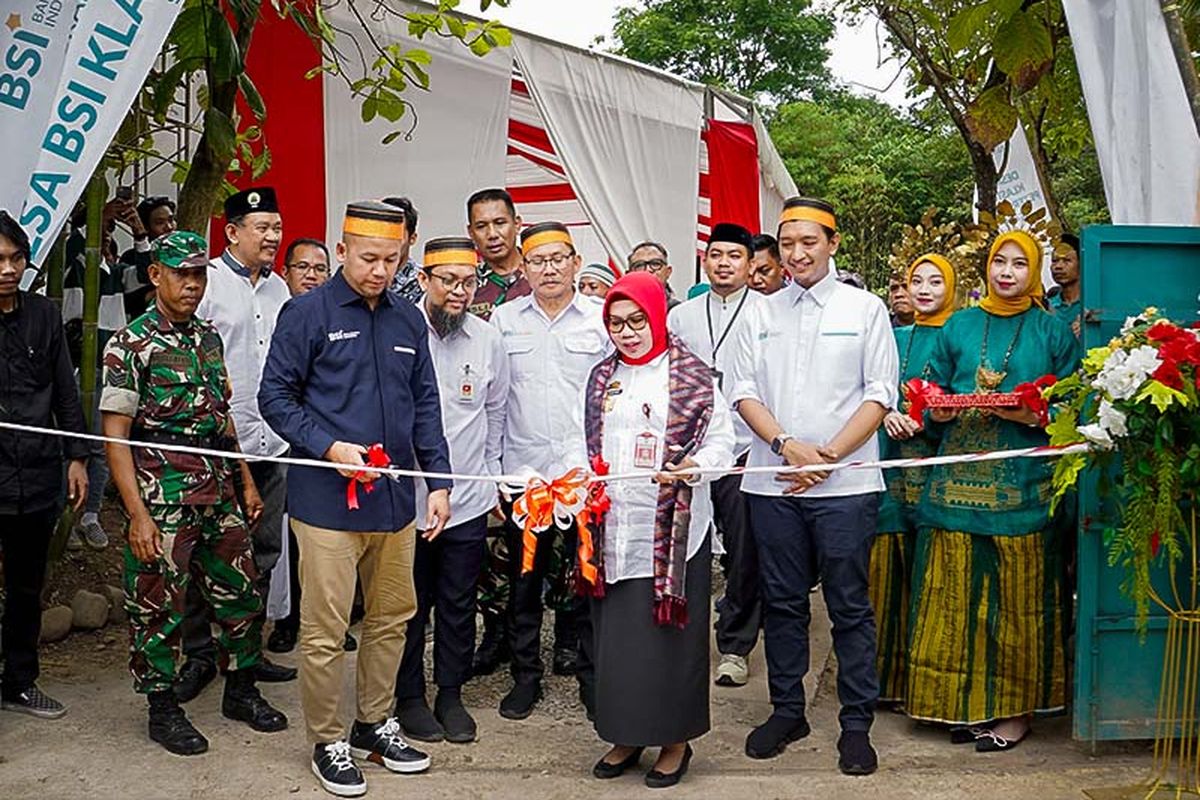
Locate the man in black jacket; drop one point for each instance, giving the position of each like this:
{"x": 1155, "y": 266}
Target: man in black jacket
{"x": 37, "y": 387}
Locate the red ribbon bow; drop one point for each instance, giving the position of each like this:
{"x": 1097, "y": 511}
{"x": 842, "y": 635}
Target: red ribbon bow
{"x": 376, "y": 457}
{"x": 1033, "y": 399}
{"x": 917, "y": 393}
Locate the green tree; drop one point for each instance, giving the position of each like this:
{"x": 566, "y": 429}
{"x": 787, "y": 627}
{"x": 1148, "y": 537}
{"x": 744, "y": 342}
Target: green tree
{"x": 881, "y": 167}
{"x": 768, "y": 50}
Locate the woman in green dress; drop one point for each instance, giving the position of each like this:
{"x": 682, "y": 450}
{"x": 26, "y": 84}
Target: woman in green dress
{"x": 986, "y": 637}
{"x": 932, "y": 285}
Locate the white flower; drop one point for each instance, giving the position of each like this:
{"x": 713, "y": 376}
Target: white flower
{"x": 1120, "y": 383}
{"x": 1112, "y": 419}
{"x": 1129, "y": 324}
{"x": 1096, "y": 435}
{"x": 1115, "y": 359}
{"x": 1143, "y": 360}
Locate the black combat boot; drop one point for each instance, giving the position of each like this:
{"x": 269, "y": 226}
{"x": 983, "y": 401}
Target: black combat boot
{"x": 170, "y": 727}
{"x": 243, "y": 702}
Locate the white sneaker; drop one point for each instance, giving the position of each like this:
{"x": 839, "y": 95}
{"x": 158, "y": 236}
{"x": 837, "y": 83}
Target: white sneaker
{"x": 732, "y": 671}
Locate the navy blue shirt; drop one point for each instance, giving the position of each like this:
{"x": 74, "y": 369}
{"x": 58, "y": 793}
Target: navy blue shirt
{"x": 338, "y": 371}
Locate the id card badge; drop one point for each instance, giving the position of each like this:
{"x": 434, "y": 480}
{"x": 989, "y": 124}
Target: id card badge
{"x": 645, "y": 451}
{"x": 466, "y": 385}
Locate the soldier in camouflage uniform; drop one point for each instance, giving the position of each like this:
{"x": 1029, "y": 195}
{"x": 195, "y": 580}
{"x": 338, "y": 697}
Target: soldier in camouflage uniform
{"x": 165, "y": 382}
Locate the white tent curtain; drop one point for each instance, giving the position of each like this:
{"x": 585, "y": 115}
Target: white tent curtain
{"x": 458, "y": 146}
{"x": 630, "y": 143}
{"x": 1146, "y": 140}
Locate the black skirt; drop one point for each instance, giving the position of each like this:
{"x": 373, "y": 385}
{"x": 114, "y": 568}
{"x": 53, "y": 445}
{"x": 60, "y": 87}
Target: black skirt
{"x": 651, "y": 680}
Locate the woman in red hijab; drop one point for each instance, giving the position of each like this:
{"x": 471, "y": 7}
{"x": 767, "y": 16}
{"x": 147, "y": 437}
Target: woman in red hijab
{"x": 654, "y": 406}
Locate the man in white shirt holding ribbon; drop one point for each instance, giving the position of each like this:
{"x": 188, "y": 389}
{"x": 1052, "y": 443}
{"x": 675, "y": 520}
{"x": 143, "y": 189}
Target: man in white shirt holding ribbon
{"x": 816, "y": 370}
{"x": 473, "y": 382}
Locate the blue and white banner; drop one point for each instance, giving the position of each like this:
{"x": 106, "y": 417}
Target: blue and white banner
{"x": 112, "y": 49}
{"x": 33, "y": 41}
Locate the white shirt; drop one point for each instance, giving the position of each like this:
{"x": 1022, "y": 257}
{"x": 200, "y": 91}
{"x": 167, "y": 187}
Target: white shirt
{"x": 813, "y": 357}
{"x": 549, "y": 363}
{"x": 690, "y": 322}
{"x": 472, "y": 374}
{"x": 244, "y": 315}
{"x": 629, "y": 525}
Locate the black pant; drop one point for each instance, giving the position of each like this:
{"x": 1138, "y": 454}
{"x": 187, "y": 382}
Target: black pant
{"x": 739, "y": 612}
{"x": 292, "y": 621}
{"x": 525, "y": 606}
{"x": 800, "y": 539}
{"x": 26, "y": 541}
{"x": 445, "y": 573}
{"x": 266, "y": 540}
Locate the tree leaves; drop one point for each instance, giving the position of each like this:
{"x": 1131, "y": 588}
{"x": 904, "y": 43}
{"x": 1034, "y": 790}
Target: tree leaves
{"x": 976, "y": 20}
{"x": 1023, "y": 49}
{"x": 991, "y": 117}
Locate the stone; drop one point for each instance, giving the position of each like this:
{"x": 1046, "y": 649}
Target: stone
{"x": 56, "y": 623}
{"x": 89, "y": 610}
{"x": 116, "y": 607}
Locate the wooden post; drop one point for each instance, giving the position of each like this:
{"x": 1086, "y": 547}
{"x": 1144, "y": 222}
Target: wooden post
{"x": 1183, "y": 56}
{"x": 96, "y": 194}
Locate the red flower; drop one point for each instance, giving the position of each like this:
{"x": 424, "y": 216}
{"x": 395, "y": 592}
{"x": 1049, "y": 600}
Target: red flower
{"x": 1185, "y": 348}
{"x": 1163, "y": 331}
{"x": 1154, "y": 544}
{"x": 1168, "y": 374}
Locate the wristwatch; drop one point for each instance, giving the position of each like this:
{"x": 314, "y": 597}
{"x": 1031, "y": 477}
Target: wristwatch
{"x": 779, "y": 441}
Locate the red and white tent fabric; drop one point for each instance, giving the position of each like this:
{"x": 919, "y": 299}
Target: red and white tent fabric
{"x": 619, "y": 151}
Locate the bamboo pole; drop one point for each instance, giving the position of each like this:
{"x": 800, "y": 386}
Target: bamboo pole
{"x": 97, "y": 190}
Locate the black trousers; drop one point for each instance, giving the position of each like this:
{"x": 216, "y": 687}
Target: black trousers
{"x": 801, "y": 539}
{"x": 445, "y": 573}
{"x": 292, "y": 621}
{"x": 525, "y": 607}
{"x": 266, "y": 540}
{"x": 739, "y": 611}
{"x": 26, "y": 541}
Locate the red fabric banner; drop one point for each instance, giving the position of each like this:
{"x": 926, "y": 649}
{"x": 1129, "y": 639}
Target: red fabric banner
{"x": 733, "y": 173}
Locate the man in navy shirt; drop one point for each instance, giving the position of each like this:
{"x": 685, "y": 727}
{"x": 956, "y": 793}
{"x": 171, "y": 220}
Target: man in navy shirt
{"x": 349, "y": 367}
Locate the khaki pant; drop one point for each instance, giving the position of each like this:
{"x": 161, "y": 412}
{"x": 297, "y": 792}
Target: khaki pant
{"x": 329, "y": 563}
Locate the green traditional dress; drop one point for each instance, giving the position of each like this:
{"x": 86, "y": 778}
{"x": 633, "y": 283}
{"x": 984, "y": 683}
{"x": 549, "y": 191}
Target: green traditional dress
{"x": 896, "y": 529}
{"x": 986, "y": 636}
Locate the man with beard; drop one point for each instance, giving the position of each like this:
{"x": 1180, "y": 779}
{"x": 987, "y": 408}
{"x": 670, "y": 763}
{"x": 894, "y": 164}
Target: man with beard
{"x": 473, "y": 383}
{"x": 242, "y": 301}
{"x": 552, "y": 339}
{"x": 492, "y": 224}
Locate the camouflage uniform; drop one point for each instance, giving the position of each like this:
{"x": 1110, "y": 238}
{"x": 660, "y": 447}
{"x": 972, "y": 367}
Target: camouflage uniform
{"x": 171, "y": 380}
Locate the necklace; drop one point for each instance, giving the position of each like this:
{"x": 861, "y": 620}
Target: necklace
{"x": 988, "y": 380}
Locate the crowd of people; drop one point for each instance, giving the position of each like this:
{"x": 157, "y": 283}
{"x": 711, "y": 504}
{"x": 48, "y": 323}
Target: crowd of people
{"x": 501, "y": 353}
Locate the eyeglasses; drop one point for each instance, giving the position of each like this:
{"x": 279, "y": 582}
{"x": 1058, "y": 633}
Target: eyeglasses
{"x": 316, "y": 268}
{"x": 557, "y": 260}
{"x": 654, "y": 265}
{"x": 636, "y": 322}
{"x": 467, "y": 284}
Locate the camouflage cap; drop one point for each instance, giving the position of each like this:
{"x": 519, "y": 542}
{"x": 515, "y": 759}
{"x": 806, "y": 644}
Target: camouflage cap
{"x": 180, "y": 250}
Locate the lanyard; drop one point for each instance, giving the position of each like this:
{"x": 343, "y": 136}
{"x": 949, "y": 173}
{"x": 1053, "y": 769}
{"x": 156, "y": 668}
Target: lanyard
{"x": 716, "y": 343}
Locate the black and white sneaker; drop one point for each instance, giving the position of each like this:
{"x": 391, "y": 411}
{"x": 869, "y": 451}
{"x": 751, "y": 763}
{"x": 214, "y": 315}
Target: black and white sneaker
{"x": 336, "y": 771}
{"x": 381, "y": 743}
{"x": 35, "y": 702}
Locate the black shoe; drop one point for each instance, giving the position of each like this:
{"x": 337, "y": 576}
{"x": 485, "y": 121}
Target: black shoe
{"x": 281, "y": 640}
{"x": 458, "y": 723}
{"x": 170, "y": 727}
{"x": 856, "y": 756}
{"x": 417, "y": 721}
{"x": 773, "y": 736}
{"x": 381, "y": 743}
{"x": 35, "y": 702}
{"x": 661, "y": 780}
{"x": 266, "y": 672}
{"x": 491, "y": 653}
{"x": 991, "y": 742}
{"x": 966, "y": 734}
{"x": 195, "y": 674}
{"x": 520, "y": 701}
{"x": 336, "y": 771}
{"x": 350, "y": 644}
{"x": 244, "y": 703}
{"x": 566, "y": 661}
{"x": 606, "y": 771}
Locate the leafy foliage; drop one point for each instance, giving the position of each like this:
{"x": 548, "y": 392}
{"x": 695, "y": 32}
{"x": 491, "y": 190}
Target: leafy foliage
{"x": 769, "y": 50}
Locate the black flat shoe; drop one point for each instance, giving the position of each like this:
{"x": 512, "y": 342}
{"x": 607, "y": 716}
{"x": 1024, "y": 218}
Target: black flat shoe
{"x": 992, "y": 742}
{"x": 281, "y": 640}
{"x": 606, "y": 771}
{"x": 267, "y": 672}
{"x": 966, "y": 734}
{"x": 773, "y": 736}
{"x": 661, "y": 780}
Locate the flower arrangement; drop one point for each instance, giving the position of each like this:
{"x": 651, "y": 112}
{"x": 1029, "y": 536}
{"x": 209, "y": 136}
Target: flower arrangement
{"x": 1135, "y": 401}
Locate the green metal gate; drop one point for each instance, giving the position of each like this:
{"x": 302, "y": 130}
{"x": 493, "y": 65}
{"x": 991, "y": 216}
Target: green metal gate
{"x": 1125, "y": 269}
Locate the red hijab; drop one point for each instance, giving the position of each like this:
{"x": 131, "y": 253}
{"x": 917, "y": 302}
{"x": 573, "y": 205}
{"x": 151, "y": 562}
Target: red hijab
{"x": 647, "y": 293}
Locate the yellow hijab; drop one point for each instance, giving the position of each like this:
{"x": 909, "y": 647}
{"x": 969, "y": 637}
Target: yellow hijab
{"x": 1006, "y": 307}
{"x": 938, "y": 318}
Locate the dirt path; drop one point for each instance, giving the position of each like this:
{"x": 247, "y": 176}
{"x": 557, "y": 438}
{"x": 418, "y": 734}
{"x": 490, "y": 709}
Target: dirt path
{"x": 100, "y": 749}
